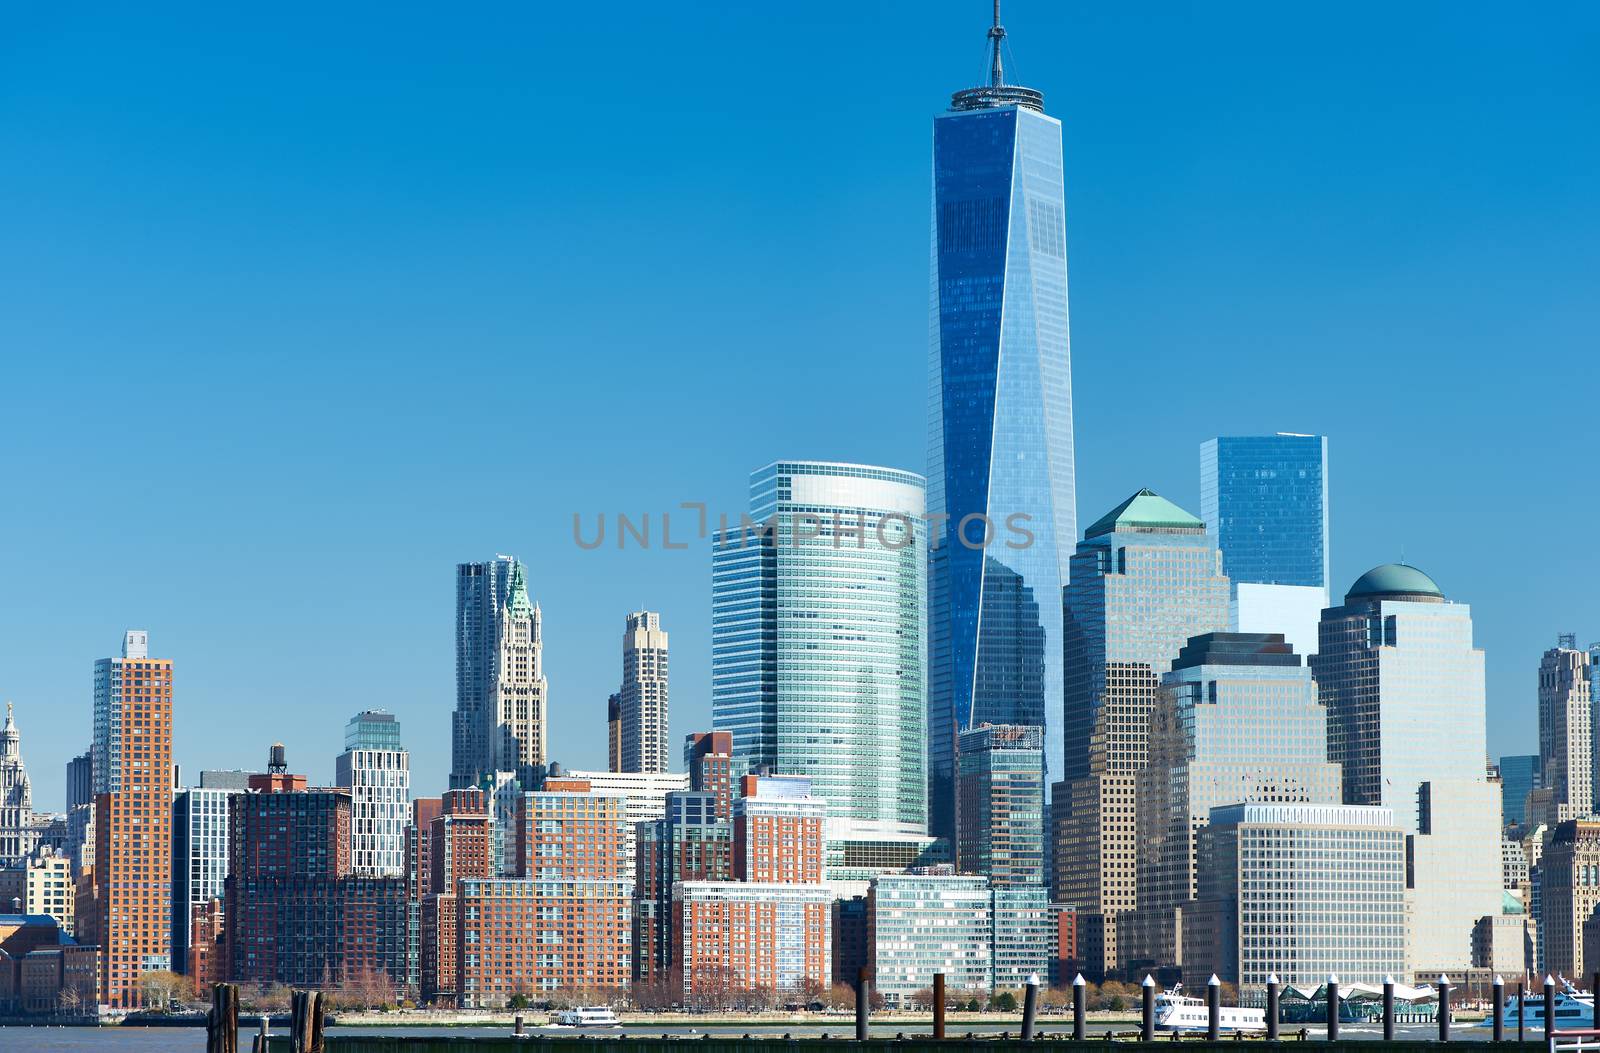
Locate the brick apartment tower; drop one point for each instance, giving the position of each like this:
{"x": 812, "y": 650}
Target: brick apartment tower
{"x": 709, "y": 757}
{"x": 460, "y": 845}
{"x": 132, "y": 783}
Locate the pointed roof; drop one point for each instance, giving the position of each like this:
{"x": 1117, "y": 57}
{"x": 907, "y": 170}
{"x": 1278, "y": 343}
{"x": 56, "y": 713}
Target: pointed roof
{"x": 517, "y": 603}
{"x": 1146, "y": 511}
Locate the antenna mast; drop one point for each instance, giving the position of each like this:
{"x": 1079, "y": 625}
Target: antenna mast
{"x": 997, "y": 33}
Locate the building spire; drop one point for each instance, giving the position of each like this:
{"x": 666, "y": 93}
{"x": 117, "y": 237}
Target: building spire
{"x": 997, "y": 33}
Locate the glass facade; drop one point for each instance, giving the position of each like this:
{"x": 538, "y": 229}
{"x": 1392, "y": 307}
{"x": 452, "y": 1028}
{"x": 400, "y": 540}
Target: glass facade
{"x": 199, "y": 858}
{"x": 1001, "y": 815}
{"x": 1000, "y": 447}
{"x": 926, "y": 923}
{"x": 1265, "y": 501}
{"x": 817, "y": 664}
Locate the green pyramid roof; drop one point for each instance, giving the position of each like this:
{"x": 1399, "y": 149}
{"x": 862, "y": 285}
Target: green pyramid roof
{"x": 517, "y": 594}
{"x": 1145, "y": 510}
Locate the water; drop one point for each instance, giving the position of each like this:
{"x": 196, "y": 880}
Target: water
{"x": 193, "y": 1039}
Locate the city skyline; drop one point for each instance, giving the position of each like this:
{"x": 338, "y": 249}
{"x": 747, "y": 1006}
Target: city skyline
{"x": 158, "y": 568}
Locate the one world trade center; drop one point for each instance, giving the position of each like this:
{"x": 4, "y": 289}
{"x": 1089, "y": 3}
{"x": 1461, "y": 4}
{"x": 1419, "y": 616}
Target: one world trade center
{"x": 1002, "y": 517}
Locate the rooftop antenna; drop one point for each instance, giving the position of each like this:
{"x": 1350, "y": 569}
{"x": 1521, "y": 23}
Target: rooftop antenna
{"x": 997, "y": 33}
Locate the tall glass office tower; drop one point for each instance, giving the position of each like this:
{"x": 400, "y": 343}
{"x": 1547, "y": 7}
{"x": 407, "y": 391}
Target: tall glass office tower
{"x": 817, "y": 640}
{"x": 1000, "y": 424}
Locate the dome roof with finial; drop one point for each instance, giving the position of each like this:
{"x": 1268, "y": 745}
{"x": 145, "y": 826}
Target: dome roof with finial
{"x": 1395, "y": 581}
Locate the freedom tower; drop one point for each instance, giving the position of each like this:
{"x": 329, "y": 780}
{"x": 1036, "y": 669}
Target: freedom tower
{"x": 1000, "y": 462}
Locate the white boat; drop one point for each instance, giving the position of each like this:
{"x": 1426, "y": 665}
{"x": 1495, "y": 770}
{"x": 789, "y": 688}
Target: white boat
{"x": 588, "y": 1016}
{"x": 1176, "y": 1011}
{"x": 1573, "y": 1009}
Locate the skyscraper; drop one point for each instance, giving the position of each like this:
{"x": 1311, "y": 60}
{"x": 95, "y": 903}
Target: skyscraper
{"x": 1000, "y": 451}
{"x": 1236, "y": 721}
{"x": 642, "y": 704}
{"x": 132, "y": 773}
{"x": 1265, "y": 502}
{"x": 199, "y": 855}
{"x": 376, "y": 769}
{"x": 1404, "y": 688}
{"x": 501, "y": 692}
{"x": 1565, "y": 740}
{"x": 1519, "y": 774}
{"x": 1145, "y": 579}
{"x": 1001, "y": 793}
{"x": 16, "y": 797}
{"x": 614, "y": 732}
{"x": 816, "y": 640}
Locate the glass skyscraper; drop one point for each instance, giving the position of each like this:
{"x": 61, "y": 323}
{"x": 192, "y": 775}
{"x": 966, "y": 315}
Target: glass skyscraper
{"x": 1000, "y": 451}
{"x": 1519, "y": 776}
{"x": 1265, "y": 500}
{"x": 817, "y": 663}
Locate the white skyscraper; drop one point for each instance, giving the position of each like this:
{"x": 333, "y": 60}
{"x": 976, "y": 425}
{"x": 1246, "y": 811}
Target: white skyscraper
{"x": 1564, "y": 733}
{"x": 17, "y": 831}
{"x": 376, "y": 769}
{"x": 643, "y": 700}
{"x": 1404, "y": 688}
{"x": 501, "y": 693}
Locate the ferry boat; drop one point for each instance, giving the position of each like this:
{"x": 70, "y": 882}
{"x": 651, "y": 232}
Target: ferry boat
{"x": 1573, "y": 1009}
{"x": 588, "y": 1016}
{"x": 1176, "y": 1011}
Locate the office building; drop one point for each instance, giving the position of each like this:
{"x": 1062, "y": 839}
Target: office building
{"x": 1236, "y": 721}
{"x": 132, "y": 783}
{"x": 1145, "y": 579}
{"x": 17, "y": 831}
{"x": 296, "y": 913}
{"x": 1565, "y": 738}
{"x": 642, "y": 703}
{"x": 1264, "y": 499}
{"x": 1594, "y": 722}
{"x": 1000, "y": 448}
{"x": 1000, "y": 807}
{"x": 376, "y": 769}
{"x": 1404, "y": 689}
{"x": 1520, "y": 775}
{"x": 80, "y": 813}
{"x": 933, "y": 920}
{"x": 756, "y": 936}
{"x": 817, "y": 639}
{"x": 501, "y": 692}
{"x": 1501, "y": 944}
{"x": 691, "y": 842}
{"x": 614, "y": 732}
{"x": 1569, "y": 885}
{"x": 644, "y": 797}
{"x": 1303, "y": 891}
{"x": 199, "y": 854}
{"x": 778, "y": 831}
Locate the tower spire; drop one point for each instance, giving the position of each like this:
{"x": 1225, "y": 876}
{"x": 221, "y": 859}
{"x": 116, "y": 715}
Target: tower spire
{"x": 997, "y": 33}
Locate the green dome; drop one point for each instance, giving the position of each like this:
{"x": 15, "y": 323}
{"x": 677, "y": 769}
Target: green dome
{"x": 1394, "y": 581}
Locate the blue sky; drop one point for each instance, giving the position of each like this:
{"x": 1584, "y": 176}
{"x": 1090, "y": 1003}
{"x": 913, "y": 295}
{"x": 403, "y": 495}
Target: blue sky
{"x": 300, "y": 307}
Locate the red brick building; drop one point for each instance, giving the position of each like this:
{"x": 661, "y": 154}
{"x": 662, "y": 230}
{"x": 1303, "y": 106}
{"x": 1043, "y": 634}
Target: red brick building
{"x": 208, "y": 951}
{"x": 777, "y": 831}
{"x": 459, "y": 845}
{"x": 735, "y": 936}
{"x": 132, "y": 778}
{"x": 709, "y": 758}
{"x": 537, "y": 936}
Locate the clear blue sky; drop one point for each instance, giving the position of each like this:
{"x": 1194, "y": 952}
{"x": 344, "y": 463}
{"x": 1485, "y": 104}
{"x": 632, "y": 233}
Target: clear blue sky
{"x": 301, "y": 306}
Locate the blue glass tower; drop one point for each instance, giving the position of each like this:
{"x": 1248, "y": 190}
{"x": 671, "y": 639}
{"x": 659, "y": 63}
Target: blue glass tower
{"x": 1000, "y": 425}
{"x": 1265, "y": 500}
